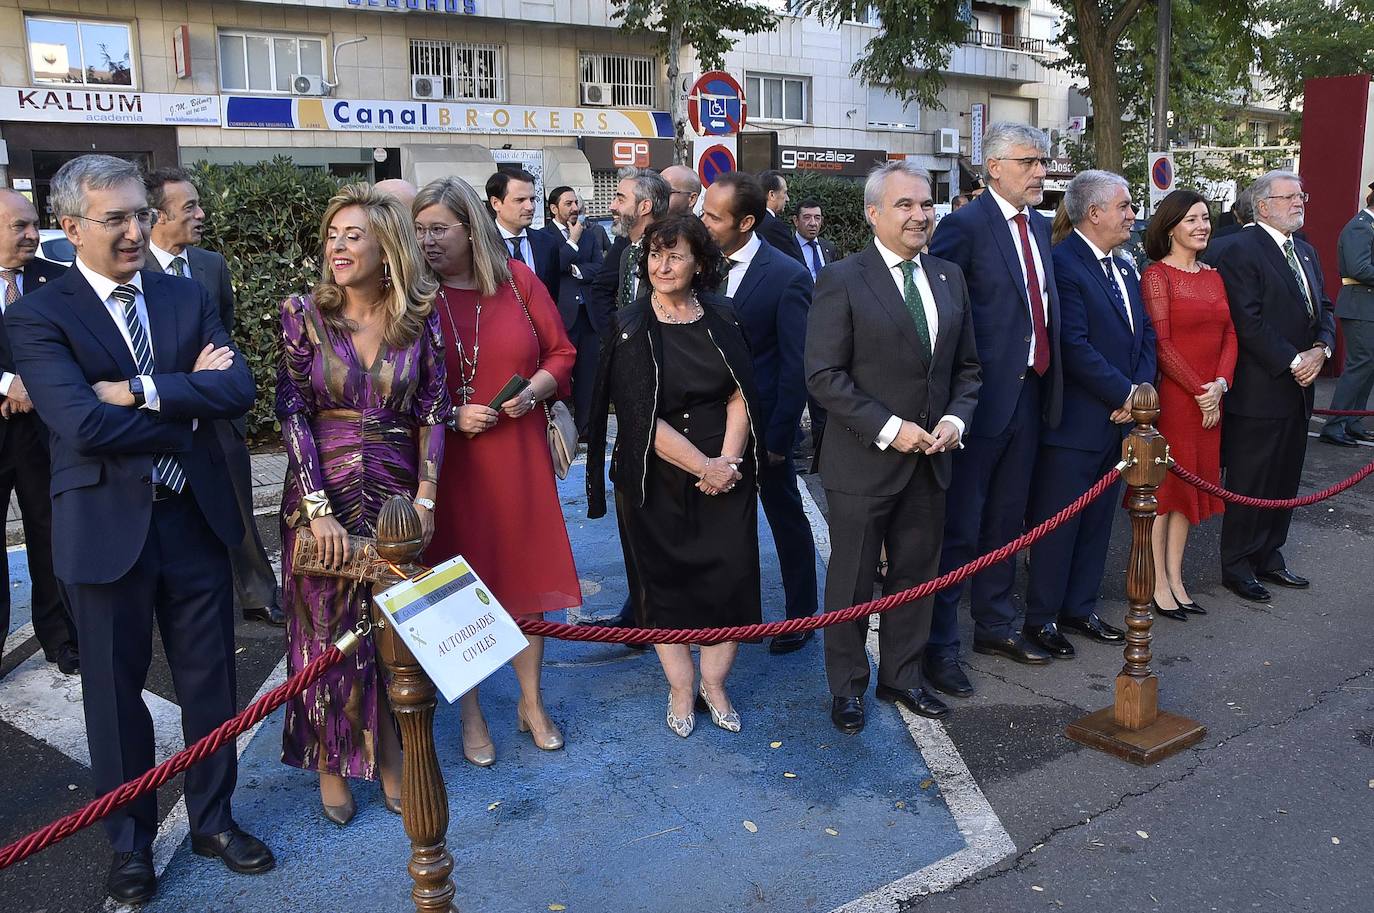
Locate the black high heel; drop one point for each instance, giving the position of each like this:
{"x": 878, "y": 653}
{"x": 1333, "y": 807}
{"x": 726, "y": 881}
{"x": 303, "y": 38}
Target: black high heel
{"x": 1175, "y": 614}
{"x": 1190, "y": 606}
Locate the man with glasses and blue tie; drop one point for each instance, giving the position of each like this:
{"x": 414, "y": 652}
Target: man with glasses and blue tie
{"x": 175, "y": 234}
{"x": 1285, "y": 329}
{"x": 130, "y": 368}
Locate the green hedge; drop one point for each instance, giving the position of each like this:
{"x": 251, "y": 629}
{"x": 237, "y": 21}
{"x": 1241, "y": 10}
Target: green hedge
{"x": 265, "y": 219}
{"x": 842, "y": 204}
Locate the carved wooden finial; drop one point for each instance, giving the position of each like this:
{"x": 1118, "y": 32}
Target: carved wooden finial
{"x": 398, "y": 531}
{"x": 1145, "y": 405}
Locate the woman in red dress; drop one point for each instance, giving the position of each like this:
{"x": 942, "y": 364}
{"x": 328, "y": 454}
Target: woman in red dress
{"x": 498, "y": 503}
{"x": 1197, "y": 359}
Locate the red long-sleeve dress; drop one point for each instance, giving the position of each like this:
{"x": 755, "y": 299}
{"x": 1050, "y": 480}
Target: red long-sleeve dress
{"x": 1196, "y": 344}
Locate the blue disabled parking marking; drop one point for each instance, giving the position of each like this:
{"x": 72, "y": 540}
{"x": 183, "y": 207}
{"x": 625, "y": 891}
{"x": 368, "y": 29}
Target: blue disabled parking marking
{"x": 629, "y": 817}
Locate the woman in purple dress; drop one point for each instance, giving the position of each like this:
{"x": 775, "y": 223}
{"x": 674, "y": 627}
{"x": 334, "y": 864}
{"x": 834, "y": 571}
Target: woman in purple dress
{"x": 362, "y": 397}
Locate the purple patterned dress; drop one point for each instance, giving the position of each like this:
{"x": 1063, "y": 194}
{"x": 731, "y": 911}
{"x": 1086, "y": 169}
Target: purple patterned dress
{"x": 361, "y": 436}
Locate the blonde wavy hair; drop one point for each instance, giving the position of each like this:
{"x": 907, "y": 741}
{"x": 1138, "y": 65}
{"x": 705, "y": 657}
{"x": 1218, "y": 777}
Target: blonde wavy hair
{"x": 489, "y": 266}
{"x": 411, "y": 296}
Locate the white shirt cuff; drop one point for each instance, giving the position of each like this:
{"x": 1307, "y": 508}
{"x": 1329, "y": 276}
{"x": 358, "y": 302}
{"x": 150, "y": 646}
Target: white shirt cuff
{"x": 5, "y": 380}
{"x": 571, "y": 243}
{"x": 1297, "y": 360}
{"x": 958, "y": 423}
{"x": 889, "y": 433}
{"x": 150, "y": 400}
{"x": 576, "y": 273}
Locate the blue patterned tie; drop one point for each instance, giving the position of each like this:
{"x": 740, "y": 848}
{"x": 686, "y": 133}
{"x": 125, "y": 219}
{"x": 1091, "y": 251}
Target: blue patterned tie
{"x": 1116, "y": 289}
{"x": 168, "y": 470}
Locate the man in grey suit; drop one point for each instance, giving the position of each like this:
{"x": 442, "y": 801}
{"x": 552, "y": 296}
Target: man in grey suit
{"x": 890, "y": 355}
{"x": 1355, "y": 309}
{"x": 175, "y": 233}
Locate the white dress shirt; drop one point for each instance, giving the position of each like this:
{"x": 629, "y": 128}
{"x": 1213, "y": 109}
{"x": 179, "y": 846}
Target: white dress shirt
{"x": 104, "y": 290}
{"x": 739, "y": 264}
{"x": 1281, "y": 239}
{"x": 1009, "y": 213}
{"x": 1098, "y": 254}
{"x": 894, "y": 269}
{"x": 7, "y": 377}
{"x": 526, "y": 251}
{"x": 164, "y": 259}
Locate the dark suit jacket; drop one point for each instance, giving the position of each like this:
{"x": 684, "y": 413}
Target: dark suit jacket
{"x": 588, "y": 257}
{"x": 1103, "y": 354}
{"x": 600, "y": 295}
{"x": 547, "y": 264}
{"x": 102, "y": 455}
{"x": 864, "y": 365}
{"x": 1355, "y": 258}
{"x": 1272, "y": 326}
{"x": 975, "y": 237}
{"x": 212, "y": 271}
{"x": 36, "y": 275}
{"x": 779, "y": 234}
{"x": 771, "y": 302}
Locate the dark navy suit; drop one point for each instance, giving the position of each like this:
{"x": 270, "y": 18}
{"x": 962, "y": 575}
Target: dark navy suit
{"x": 587, "y": 258}
{"x": 547, "y": 265}
{"x": 992, "y": 474}
{"x": 779, "y": 234}
{"x": 772, "y": 301}
{"x": 1104, "y": 357}
{"x": 125, "y": 558}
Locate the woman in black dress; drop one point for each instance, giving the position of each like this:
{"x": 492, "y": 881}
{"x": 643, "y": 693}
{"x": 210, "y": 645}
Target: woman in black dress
{"x": 678, "y": 371}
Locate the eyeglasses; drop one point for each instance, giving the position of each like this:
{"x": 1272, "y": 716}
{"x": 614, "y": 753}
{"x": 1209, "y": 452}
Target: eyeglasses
{"x": 434, "y": 232}
{"x": 1030, "y": 161}
{"x": 120, "y": 223}
{"x": 1290, "y": 197}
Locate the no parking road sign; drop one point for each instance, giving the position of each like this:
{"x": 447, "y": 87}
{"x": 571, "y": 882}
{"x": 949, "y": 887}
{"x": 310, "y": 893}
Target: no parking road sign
{"x": 1161, "y": 177}
{"x": 715, "y": 160}
{"x": 716, "y": 106}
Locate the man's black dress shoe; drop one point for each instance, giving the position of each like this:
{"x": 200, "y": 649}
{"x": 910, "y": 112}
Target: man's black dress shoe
{"x": 1048, "y": 638}
{"x": 944, "y": 675}
{"x": 1286, "y": 578}
{"x": 847, "y": 713}
{"x": 132, "y": 879}
{"x": 1092, "y": 626}
{"x": 1360, "y": 434}
{"x": 1250, "y": 589}
{"x": 1014, "y": 647}
{"x": 267, "y": 614}
{"x": 239, "y": 851}
{"x": 1339, "y": 437}
{"x": 67, "y": 659}
{"x": 789, "y": 643}
{"x": 917, "y": 700}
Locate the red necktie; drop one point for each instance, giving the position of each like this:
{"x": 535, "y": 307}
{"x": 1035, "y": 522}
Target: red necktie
{"x": 1037, "y": 303}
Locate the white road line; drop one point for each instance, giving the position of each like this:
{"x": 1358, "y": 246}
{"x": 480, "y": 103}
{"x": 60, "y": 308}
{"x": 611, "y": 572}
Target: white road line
{"x": 176, "y": 825}
{"x": 987, "y": 840}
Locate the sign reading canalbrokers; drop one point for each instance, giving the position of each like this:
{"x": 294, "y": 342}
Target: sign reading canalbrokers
{"x": 825, "y": 160}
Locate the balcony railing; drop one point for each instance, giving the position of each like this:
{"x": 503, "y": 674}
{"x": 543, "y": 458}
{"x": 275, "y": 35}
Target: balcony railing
{"x": 984, "y": 39}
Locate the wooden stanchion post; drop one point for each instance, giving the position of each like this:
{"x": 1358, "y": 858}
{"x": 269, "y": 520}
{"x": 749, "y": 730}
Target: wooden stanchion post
{"x": 1134, "y": 728}
{"x": 424, "y": 800}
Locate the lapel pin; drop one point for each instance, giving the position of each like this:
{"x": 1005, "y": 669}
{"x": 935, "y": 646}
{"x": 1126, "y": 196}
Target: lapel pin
{"x": 42, "y": 279}
{"x": 942, "y": 278}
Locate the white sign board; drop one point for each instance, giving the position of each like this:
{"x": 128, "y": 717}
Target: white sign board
{"x": 977, "y": 113}
{"x": 1161, "y": 177}
{"x": 453, "y": 624}
{"x": 91, "y": 106}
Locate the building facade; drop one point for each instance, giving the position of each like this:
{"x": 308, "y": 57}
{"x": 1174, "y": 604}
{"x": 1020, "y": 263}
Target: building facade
{"x": 419, "y": 88}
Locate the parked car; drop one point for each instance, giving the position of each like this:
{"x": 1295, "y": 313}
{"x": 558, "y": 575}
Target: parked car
{"x": 53, "y": 245}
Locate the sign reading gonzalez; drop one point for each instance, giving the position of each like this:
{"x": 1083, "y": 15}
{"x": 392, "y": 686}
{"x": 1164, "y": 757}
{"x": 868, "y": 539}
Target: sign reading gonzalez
{"x": 91, "y": 106}
{"x": 255, "y": 112}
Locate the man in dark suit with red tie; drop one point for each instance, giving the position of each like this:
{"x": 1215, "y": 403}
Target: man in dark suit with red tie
{"x": 130, "y": 368}
{"x": 1003, "y": 247}
{"x": 24, "y": 443}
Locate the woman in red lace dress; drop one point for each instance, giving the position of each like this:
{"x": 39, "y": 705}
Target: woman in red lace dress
{"x": 1197, "y": 359}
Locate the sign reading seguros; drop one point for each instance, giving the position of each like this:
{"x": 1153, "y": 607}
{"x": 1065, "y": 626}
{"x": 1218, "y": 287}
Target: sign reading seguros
{"x": 282, "y": 113}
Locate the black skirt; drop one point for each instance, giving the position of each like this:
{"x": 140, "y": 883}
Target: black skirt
{"x": 692, "y": 559}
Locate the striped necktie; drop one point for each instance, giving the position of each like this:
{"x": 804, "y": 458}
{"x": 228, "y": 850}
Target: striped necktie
{"x": 168, "y": 470}
{"x": 1296, "y": 267}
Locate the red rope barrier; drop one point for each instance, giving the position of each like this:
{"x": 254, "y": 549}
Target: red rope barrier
{"x": 1361, "y": 412}
{"x": 825, "y": 619}
{"x": 82, "y": 818}
{"x": 1231, "y": 497}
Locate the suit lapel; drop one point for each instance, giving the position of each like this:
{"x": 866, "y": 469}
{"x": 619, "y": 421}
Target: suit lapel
{"x": 997, "y": 227}
{"x": 162, "y": 320}
{"x": 1305, "y": 260}
{"x": 945, "y": 309}
{"x": 1274, "y": 254}
{"x": 753, "y": 275}
{"x": 1090, "y": 261}
{"x": 879, "y": 280}
{"x": 91, "y": 313}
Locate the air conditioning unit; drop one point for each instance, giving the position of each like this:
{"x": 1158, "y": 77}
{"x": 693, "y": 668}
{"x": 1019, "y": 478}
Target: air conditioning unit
{"x": 949, "y": 141}
{"x": 426, "y": 87}
{"x": 306, "y": 84}
{"x": 596, "y": 94}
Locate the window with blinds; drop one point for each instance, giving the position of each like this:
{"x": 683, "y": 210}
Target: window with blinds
{"x": 604, "y": 184}
{"x": 632, "y": 79}
{"x": 470, "y": 72}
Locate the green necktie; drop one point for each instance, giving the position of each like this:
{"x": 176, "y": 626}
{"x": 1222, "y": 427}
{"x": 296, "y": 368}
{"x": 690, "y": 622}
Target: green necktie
{"x": 179, "y": 267}
{"x": 912, "y": 299}
{"x": 627, "y": 277}
{"x": 1297, "y": 274}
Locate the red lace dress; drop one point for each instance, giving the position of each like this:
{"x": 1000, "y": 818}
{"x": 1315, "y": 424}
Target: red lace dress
{"x": 1196, "y": 344}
